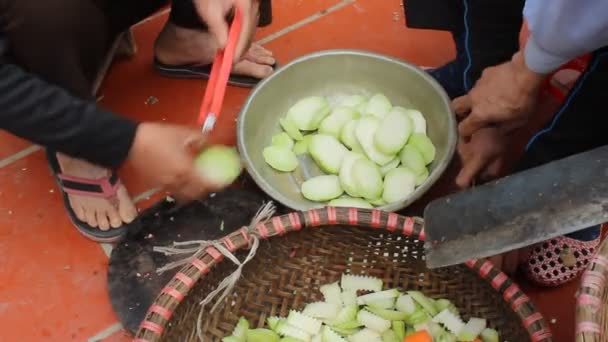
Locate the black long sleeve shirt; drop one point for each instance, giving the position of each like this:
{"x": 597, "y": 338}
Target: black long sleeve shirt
{"x": 50, "y": 116}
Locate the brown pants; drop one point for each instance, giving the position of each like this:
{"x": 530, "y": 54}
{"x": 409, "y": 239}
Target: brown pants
{"x": 65, "y": 42}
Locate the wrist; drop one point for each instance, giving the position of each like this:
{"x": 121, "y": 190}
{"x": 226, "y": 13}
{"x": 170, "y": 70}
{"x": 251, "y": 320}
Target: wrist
{"x": 527, "y": 80}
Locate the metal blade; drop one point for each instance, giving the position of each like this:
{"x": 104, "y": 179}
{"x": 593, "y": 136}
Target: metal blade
{"x": 520, "y": 210}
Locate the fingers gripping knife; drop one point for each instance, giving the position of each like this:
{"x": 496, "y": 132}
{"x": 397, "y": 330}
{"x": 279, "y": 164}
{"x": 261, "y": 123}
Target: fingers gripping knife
{"x": 218, "y": 80}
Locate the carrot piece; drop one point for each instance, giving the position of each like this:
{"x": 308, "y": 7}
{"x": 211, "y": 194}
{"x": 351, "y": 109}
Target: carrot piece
{"x": 420, "y": 336}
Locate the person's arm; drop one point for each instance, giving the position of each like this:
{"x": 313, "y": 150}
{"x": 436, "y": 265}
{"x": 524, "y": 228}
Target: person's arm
{"x": 50, "y": 116}
{"x": 561, "y": 30}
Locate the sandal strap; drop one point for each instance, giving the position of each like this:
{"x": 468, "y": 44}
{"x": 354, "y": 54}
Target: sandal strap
{"x": 104, "y": 187}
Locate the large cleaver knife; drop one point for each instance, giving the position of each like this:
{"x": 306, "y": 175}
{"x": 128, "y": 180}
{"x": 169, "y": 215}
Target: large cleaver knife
{"x": 520, "y": 210}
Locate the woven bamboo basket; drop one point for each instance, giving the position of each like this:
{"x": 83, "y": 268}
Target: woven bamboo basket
{"x": 592, "y": 300}
{"x": 300, "y": 251}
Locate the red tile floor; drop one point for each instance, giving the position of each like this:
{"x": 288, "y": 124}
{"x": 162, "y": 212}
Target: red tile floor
{"x": 53, "y": 281}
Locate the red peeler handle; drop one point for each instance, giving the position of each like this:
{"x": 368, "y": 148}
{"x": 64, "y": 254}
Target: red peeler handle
{"x": 220, "y": 72}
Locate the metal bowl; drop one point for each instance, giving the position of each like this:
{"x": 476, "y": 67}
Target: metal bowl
{"x": 337, "y": 73}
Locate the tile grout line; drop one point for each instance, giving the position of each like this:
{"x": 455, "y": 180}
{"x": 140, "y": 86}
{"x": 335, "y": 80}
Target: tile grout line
{"x": 105, "y": 333}
{"x": 19, "y": 155}
{"x": 303, "y": 22}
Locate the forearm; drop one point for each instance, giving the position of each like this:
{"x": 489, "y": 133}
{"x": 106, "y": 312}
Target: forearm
{"x": 49, "y": 116}
{"x": 561, "y": 30}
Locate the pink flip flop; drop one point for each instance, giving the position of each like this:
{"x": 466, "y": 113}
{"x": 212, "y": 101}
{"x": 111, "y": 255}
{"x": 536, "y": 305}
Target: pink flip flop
{"x": 105, "y": 187}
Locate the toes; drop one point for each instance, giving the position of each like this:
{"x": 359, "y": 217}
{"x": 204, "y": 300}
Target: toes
{"x": 252, "y": 69}
{"x": 102, "y": 220}
{"x": 126, "y": 208}
{"x": 115, "y": 220}
{"x": 91, "y": 218}
{"x": 259, "y": 50}
{"x": 79, "y": 212}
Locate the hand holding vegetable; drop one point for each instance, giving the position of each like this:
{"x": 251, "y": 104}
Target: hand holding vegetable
{"x": 481, "y": 156}
{"x": 164, "y": 155}
{"x": 505, "y": 96}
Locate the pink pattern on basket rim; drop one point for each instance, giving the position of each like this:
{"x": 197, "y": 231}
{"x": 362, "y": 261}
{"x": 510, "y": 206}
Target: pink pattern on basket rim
{"x": 545, "y": 266}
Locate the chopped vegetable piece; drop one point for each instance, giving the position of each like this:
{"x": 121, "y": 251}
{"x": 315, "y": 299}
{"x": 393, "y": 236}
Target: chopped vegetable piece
{"x": 346, "y": 173}
{"x": 291, "y": 128}
{"x": 378, "y": 105}
{"x": 390, "y": 336}
{"x": 390, "y": 166}
{"x": 240, "y": 330}
{"x": 280, "y": 158}
{"x": 262, "y": 335}
{"x": 418, "y": 317}
{"x": 421, "y": 178}
{"x": 472, "y": 329}
{"x": 350, "y": 296}
{"x": 327, "y": 152}
{"x": 350, "y": 203}
{"x": 391, "y": 315}
{"x": 330, "y": 336}
{"x": 274, "y": 321}
{"x": 378, "y": 202}
{"x": 489, "y": 335}
{"x": 442, "y": 304}
{"x": 365, "y": 132}
{"x": 367, "y": 179}
{"x": 387, "y": 303}
{"x": 345, "y": 332}
{"x": 322, "y": 310}
{"x": 291, "y": 331}
{"x": 322, "y": 188}
{"x": 291, "y": 339}
{"x": 346, "y": 314}
{"x": 393, "y": 132}
{"x": 219, "y": 165}
{"x": 399, "y": 329}
{"x": 406, "y": 304}
{"x": 332, "y": 292}
{"x": 349, "y": 136}
{"x": 412, "y": 158}
{"x": 418, "y": 121}
{"x": 316, "y": 338}
{"x": 308, "y": 113}
{"x": 335, "y": 122}
{"x": 353, "y": 101}
{"x": 355, "y": 283}
{"x": 388, "y": 294}
{"x": 304, "y": 323}
{"x": 365, "y": 335}
{"x": 283, "y": 139}
{"x": 420, "y": 336}
{"x": 373, "y": 322}
{"x": 232, "y": 339}
{"x": 399, "y": 184}
{"x": 450, "y": 321}
{"x": 350, "y": 324}
{"x": 300, "y": 147}
{"x": 427, "y": 304}
{"x": 424, "y": 145}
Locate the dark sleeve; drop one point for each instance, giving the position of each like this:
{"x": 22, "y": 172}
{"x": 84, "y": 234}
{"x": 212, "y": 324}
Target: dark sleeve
{"x": 50, "y": 116}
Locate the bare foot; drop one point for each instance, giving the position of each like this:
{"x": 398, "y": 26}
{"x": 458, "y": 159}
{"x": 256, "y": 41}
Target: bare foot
{"x": 97, "y": 212}
{"x": 180, "y": 46}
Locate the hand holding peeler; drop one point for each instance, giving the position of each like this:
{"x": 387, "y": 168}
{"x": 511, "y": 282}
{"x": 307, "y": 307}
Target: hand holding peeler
{"x": 218, "y": 80}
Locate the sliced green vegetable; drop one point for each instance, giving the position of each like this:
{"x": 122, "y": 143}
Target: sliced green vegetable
{"x": 280, "y": 158}
{"x": 472, "y": 329}
{"x": 291, "y": 339}
{"x": 378, "y": 105}
{"x": 399, "y": 184}
{"x": 327, "y": 152}
{"x": 418, "y": 121}
{"x": 322, "y": 188}
{"x": 333, "y": 124}
{"x": 350, "y": 202}
{"x": 331, "y": 336}
{"x": 406, "y": 304}
{"x": 365, "y": 335}
{"x": 322, "y": 310}
{"x": 489, "y": 335}
{"x": 450, "y": 321}
{"x": 421, "y": 178}
{"x": 391, "y": 315}
{"x": 304, "y": 323}
{"x": 353, "y": 101}
{"x": 300, "y": 147}
{"x": 356, "y": 283}
{"x": 332, "y": 292}
{"x": 427, "y": 303}
{"x": 373, "y": 322}
{"x": 352, "y": 324}
{"x": 399, "y": 329}
{"x": 390, "y": 336}
{"x": 365, "y": 132}
{"x": 282, "y": 139}
{"x": 240, "y": 330}
{"x": 232, "y": 339}
{"x": 308, "y": 113}
{"x": 291, "y": 128}
{"x": 393, "y": 164}
{"x": 346, "y": 173}
{"x": 378, "y": 202}
{"x": 371, "y": 297}
{"x": 262, "y": 335}
{"x": 412, "y": 158}
{"x": 367, "y": 179}
{"x": 346, "y": 314}
{"x": 393, "y": 132}
{"x": 418, "y": 317}
{"x": 274, "y": 321}
{"x": 219, "y": 165}
{"x": 349, "y": 296}
{"x": 349, "y": 136}
{"x": 386, "y": 303}
{"x": 293, "y": 332}
{"x": 424, "y": 145}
